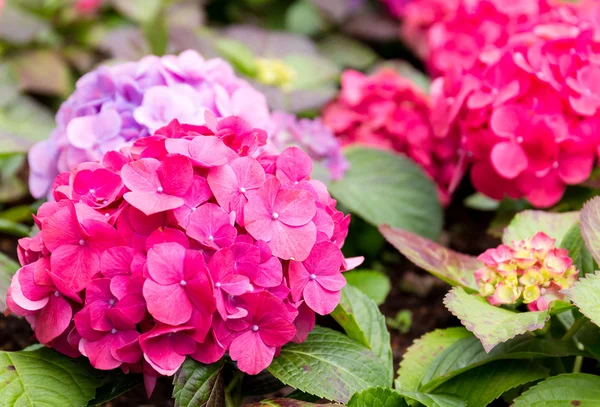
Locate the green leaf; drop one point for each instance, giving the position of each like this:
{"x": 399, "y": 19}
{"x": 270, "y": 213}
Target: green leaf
{"x": 435, "y": 400}
{"x": 590, "y": 226}
{"x": 43, "y": 72}
{"x": 482, "y": 385}
{"x": 239, "y": 55}
{"x": 19, "y": 213}
{"x": 286, "y": 403}
{"x": 18, "y": 131}
{"x": 196, "y": 384}
{"x": 387, "y": 188}
{"x": 8, "y": 268}
{"x": 584, "y": 294}
{"x": 44, "y": 377}
{"x": 468, "y": 353}
{"x": 361, "y": 319}
{"x": 304, "y": 18}
{"x": 12, "y": 189}
{"x": 260, "y": 384}
{"x": 140, "y": 11}
{"x": 422, "y": 353}
{"x": 375, "y": 284}
{"x": 329, "y": 357}
{"x": 312, "y": 71}
{"x": 455, "y": 268}
{"x": 527, "y": 223}
{"x": 573, "y": 241}
{"x": 377, "y": 397}
{"x": 492, "y": 325}
{"x": 13, "y": 228}
{"x": 481, "y": 202}
{"x": 119, "y": 383}
{"x": 578, "y": 389}
{"x": 347, "y": 53}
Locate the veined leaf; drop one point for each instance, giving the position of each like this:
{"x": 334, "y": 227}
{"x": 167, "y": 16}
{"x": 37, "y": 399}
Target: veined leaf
{"x": 286, "y": 403}
{"x": 527, "y": 223}
{"x": 422, "y": 353}
{"x": 590, "y": 226}
{"x": 361, "y": 319}
{"x": 585, "y": 294}
{"x": 448, "y": 265}
{"x": 44, "y": 377}
{"x": 377, "y": 397}
{"x": 375, "y": 284}
{"x": 573, "y": 389}
{"x": 435, "y": 400}
{"x": 196, "y": 384}
{"x": 329, "y": 357}
{"x": 386, "y": 188}
{"x": 8, "y": 268}
{"x": 482, "y": 385}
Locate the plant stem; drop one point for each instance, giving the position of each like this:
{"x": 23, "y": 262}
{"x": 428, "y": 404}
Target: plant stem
{"x": 579, "y": 322}
{"x": 577, "y": 364}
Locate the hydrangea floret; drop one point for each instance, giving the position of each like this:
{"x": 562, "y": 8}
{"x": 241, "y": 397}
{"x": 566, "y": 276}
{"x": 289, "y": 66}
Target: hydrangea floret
{"x": 531, "y": 271}
{"x": 114, "y": 106}
{"x": 387, "y": 111}
{"x": 183, "y": 244}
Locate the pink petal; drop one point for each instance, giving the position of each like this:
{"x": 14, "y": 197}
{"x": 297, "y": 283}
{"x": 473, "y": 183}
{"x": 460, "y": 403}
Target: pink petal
{"x": 165, "y": 263}
{"x": 206, "y": 151}
{"x": 269, "y": 273}
{"x": 293, "y": 242}
{"x": 508, "y": 159}
{"x": 175, "y": 175}
{"x": 294, "y": 207}
{"x": 17, "y": 296}
{"x": 277, "y": 331}
{"x": 298, "y": 278}
{"x": 141, "y": 175}
{"x": 319, "y": 299}
{"x": 53, "y": 319}
{"x": 251, "y": 353}
{"x": 205, "y": 222}
{"x": 293, "y": 166}
{"x": 325, "y": 259}
{"x": 151, "y": 203}
{"x": 73, "y": 267}
{"x": 167, "y": 303}
{"x": 505, "y": 121}
{"x": 209, "y": 351}
{"x": 61, "y": 228}
{"x": 167, "y": 235}
{"x": 116, "y": 260}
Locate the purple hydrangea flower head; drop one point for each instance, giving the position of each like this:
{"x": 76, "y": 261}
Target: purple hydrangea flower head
{"x": 312, "y": 136}
{"x": 115, "y": 105}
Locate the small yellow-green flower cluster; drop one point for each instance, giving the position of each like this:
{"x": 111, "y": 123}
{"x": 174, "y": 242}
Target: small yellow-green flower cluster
{"x": 533, "y": 271}
{"x": 275, "y": 72}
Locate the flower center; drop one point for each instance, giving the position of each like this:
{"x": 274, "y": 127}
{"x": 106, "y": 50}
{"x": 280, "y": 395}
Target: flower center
{"x": 183, "y": 283}
{"x": 194, "y": 209}
{"x": 56, "y": 294}
{"x": 255, "y": 328}
{"x": 211, "y": 238}
{"x": 242, "y": 190}
{"x": 81, "y": 242}
{"x": 159, "y": 190}
{"x": 106, "y": 215}
{"x": 519, "y": 139}
{"x": 275, "y": 215}
{"x": 92, "y": 191}
{"x": 555, "y": 164}
{"x": 113, "y": 331}
{"x": 313, "y": 276}
{"x": 111, "y": 302}
{"x": 218, "y": 285}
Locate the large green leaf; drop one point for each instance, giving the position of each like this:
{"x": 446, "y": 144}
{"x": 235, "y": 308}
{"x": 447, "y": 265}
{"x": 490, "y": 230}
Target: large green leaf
{"x": 286, "y": 403}
{"x": 434, "y": 400}
{"x": 422, "y": 353}
{"x": 17, "y": 129}
{"x": 482, "y": 385}
{"x": 312, "y": 71}
{"x": 361, "y": 319}
{"x": 527, "y": 223}
{"x": 8, "y": 268}
{"x": 448, "y": 265}
{"x": 491, "y": 324}
{"x": 377, "y": 397}
{"x": 468, "y": 353}
{"x": 585, "y": 294}
{"x": 347, "y": 52}
{"x": 386, "y": 188}
{"x": 43, "y": 377}
{"x": 140, "y": 11}
{"x": 196, "y": 385}
{"x": 329, "y": 357}
{"x": 375, "y": 284}
{"x": 590, "y": 226}
{"x": 580, "y": 390}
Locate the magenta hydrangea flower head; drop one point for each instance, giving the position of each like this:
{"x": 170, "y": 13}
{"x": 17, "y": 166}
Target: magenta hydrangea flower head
{"x": 312, "y": 136}
{"x": 528, "y": 119}
{"x": 183, "y": 244}
{"x": 387, "y": 111}
{"x": 114, "y": 106}
{"x": 531, "y": 271}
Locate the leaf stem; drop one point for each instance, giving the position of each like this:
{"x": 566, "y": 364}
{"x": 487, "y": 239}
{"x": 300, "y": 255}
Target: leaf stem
{"x": 579, "y": 322}
{"x": 577, "y": 364}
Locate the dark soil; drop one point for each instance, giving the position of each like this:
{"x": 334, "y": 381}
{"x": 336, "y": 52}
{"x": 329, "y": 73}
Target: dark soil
{"x": 412, "y": 289}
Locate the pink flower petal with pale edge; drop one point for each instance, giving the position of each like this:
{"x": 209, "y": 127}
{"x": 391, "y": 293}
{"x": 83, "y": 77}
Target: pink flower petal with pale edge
{"x": 509, "y": 159}
{"x": 206, "y": 151}
{"x": 53, "y": 319}
{"x": 293, "y": 166}
{"x": 251, "y": 353}
{"x": 17, "y": 296}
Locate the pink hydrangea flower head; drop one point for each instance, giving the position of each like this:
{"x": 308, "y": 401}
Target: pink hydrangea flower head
{"x": 527, "y": 118}
{"x": 532, "y": 271}
{"x": 387, "y": 111}
{"x": 188, "y": 243}
{"x": 114, "y": 106}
